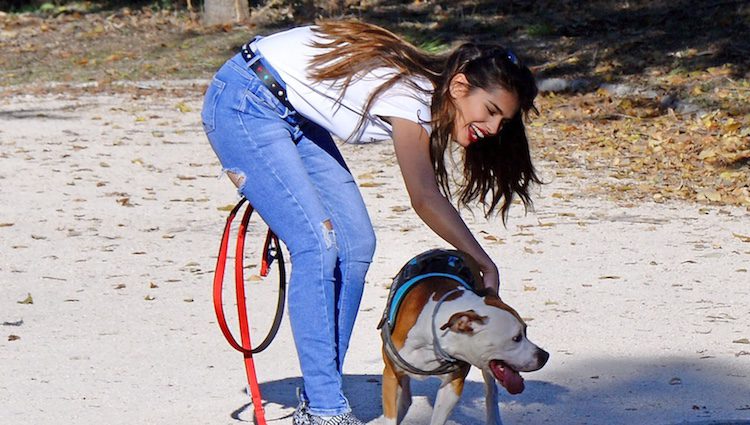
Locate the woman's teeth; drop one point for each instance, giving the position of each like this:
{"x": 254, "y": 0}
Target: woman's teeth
{"x": 475, "y": 133}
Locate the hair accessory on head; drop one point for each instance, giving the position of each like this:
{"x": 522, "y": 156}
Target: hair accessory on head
{"x": 512, "y": 57}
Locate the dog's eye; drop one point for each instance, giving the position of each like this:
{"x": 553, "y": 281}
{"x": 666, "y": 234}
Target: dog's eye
{"x": 517, "y": 338}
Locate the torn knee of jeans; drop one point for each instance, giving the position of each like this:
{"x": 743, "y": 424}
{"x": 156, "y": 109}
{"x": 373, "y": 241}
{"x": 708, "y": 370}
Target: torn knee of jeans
{"x": 329, "y": 235}
{"x": 237, "y": 177}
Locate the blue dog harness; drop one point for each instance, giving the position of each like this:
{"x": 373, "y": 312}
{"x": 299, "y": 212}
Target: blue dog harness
{"x": 434, "y": 263}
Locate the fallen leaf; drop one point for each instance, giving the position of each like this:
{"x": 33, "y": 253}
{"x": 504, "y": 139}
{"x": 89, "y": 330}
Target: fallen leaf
{"x": 149, "y": 298}
{"x": 707, "y": 153}
{"x": 731, "y": 126}
{"x": 675, "y": 381}
{"x": 731, "y": 175}
{"x": 13, "y": 337}
{"x": 741, "y": 341}
{"x": 709, "y": 194}
{"x": 28, "y": 300}
{"x": 743, "y": 238}
{"x": 125, "y": 202}
{"x": 182, "y": 107}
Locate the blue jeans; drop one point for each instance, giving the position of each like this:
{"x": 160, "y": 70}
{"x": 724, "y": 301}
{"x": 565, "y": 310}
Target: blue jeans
{"x": 308, "y": 197}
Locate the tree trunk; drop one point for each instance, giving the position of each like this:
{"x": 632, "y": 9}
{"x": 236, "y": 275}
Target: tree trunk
{"x": 220, "y": 12}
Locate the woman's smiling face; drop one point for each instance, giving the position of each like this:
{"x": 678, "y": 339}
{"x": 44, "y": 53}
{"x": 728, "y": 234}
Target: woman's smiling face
{"x": 479, "y": 112}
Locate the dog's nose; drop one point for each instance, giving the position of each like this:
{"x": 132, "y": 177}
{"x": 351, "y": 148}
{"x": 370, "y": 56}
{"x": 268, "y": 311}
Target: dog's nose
{"x": 542, "y": 357}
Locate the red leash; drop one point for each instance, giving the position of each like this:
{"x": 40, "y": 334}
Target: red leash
{"x": 245, "y": 347}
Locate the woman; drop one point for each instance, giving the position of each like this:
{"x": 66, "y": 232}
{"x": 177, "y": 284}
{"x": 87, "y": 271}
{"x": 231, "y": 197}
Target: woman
{"x": 269, "y": 114}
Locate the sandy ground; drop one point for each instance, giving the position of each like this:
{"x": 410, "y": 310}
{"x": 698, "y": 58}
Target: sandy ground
{"x": 110, "y": 218}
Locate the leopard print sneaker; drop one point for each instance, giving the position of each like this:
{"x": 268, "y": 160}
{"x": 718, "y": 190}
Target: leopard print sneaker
{"x": 301, "y": 416}
{"x": 343, "y": 419}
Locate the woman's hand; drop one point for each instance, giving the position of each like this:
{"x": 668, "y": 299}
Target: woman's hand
{"x": 413, "y": 154}
{"x": 490, "y": 276}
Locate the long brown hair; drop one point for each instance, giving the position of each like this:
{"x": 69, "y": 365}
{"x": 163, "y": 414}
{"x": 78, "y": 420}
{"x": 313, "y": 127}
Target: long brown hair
{"x": 495, "y": 168}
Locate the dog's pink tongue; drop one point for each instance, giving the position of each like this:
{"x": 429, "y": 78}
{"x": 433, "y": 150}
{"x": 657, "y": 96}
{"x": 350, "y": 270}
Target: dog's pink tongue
{"x": 509, "y": 378}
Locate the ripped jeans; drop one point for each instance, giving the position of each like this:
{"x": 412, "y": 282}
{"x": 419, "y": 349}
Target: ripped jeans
{"x": 308, "y": 197}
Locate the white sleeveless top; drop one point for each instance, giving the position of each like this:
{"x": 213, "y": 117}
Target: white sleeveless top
{"x": 290, "y": 53}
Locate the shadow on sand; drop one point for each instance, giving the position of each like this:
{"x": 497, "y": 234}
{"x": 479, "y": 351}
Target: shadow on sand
{"x": 648, "y": 391}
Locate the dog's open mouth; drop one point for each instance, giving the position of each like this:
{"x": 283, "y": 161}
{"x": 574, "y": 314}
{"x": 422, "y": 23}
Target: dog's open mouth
{"x": 507, "y": 376}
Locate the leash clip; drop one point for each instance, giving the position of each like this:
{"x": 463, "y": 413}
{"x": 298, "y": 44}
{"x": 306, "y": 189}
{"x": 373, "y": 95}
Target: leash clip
{"x": 270, "y": 252}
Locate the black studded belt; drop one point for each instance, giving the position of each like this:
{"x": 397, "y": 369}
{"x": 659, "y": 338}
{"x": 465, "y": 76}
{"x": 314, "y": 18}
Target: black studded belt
{"x": 265, "y": 75}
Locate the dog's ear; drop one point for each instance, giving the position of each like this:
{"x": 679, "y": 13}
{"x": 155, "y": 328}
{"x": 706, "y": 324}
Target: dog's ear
{"x": 461, "y": 321}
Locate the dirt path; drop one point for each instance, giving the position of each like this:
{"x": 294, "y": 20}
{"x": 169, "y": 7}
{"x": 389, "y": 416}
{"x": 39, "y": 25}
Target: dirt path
{"x": 110, "y": 214}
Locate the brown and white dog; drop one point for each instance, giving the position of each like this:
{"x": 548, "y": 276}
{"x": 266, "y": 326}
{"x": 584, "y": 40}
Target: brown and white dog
{"x": 475, "y": 329}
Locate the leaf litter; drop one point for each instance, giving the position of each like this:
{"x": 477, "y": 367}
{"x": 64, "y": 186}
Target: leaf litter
{"x": 668, "y": 122}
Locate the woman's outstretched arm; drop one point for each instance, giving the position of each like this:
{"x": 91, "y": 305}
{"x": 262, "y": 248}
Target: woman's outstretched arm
{"x": 411, "y": 144}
